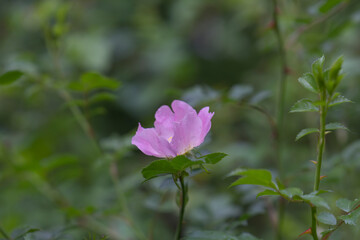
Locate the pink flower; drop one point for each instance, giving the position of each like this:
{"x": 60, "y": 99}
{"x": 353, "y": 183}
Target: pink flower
{"x": 176, "y": 131}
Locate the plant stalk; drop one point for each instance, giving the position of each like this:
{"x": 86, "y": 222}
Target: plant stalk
{"x": 321, "y": 147}
{"x": 182, "y": 208}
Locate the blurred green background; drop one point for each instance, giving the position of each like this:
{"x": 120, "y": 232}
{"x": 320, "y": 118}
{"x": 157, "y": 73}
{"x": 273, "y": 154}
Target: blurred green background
{"x": 67, "y": 166}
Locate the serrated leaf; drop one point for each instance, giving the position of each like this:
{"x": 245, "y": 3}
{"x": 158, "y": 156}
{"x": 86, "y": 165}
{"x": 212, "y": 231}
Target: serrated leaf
{"x": 304, "y": 105}
{"x": 214, "y": 158}
{"x": 339, "y": 100}
{"x": 345, "y": 204}
{"x": 10, "y": 77}
{"x": 335, "y": 126}
{"x": 352, "y": 218}
{"x": 308, "y": 81}
{"x": 315, "y": 200}
{"x": 268, "y": 192}
{"x": 260, "y": 177}
{"x": 326, "y": 218}
{"x": 317, "y": 70}
{"x": 291, "y": 192}
{"x": 305, "y": 132}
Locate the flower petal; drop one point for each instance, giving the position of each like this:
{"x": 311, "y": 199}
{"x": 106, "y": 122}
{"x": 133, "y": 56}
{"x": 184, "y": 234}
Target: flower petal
{"x": 187, "y": 133}
{"x": 164, "y": 122}
{"x": 205, "y": 117}
{"x": 150, "y": 143}
{"x": 181, "y": 109}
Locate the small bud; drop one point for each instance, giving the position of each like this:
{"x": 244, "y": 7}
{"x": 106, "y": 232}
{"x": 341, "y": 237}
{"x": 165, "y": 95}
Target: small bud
{"x": 314, "y": 162}
{"x": 322, "y": 177}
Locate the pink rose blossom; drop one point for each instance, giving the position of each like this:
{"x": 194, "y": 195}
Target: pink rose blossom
{"x": 176, "y": 131}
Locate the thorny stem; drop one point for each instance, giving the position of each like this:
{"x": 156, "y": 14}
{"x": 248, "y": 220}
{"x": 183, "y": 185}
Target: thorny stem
{"x": 182, "y": 208}
{"x": 321, "y": 146}
{"x": 280, "y": 109}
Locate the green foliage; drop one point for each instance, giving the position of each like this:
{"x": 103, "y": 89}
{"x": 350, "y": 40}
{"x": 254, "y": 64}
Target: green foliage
{"x": 352, "y": 218}
{"x": 346, "y": 205}
{"x": 326, "y": 218}
{"x": 178, "y": 165}
{"x": 260, "y": 177}
{"x": 305, "y": 132}
{"x": 328, "y": 5}
{"x": 10, "y": 77}
{"x": 93, "y": 81}
{"x": 315, "y": 200}
{"x": 335, "y": 126}
{"x": 308, "y": 81}
{"x": 338, "y": 99}
{"x": 304, "y": 105}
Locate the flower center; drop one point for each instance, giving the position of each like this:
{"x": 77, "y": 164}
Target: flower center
{"x": 169, "y": 139}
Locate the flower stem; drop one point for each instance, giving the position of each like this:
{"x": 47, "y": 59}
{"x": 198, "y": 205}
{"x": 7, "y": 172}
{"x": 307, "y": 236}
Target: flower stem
{"x": 182, "y": 208}
{"x": 321, "y": 146}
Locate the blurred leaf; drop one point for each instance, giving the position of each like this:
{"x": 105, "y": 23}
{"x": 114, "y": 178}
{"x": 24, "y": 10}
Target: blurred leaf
{"x": 304, "y": 105}
{"x": 308, "y": 81}
{"x": 268, "y": 192}
{"x": 338, "y": 100}
{"x": 317, "y": 70}
{"x": 260, "y": 96}
{"x": 10, "y": 77}
{"x": 334, "y": 77}
{"x": 290, "y": 192}
{"x": 315, "y": 200}
{"x": 335, "y": 126}
{"x": 305, "y": 132}
{"x": 345, "y": 204}
{"x": 326, "y": 218}
{"x": 101, "y": 97}
{"x": 328, "y": 5}
{"x": 214, "y": 158}
{"x": 260, "y": 177}
{"x": 352, "y": 218}
{"x": 216, "y": 235}
{"x": 31, "y": 230}
{"x": 239, "y": 92}
{"x": 93, "y": 81}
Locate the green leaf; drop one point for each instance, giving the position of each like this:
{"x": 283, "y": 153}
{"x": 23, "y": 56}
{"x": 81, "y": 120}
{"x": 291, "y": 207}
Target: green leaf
{"x": 304, "y": 105}
{"x": 326, "y": 218}
{"x": 93, "y": 81}
{"x": 260, "y": 177}
{"x": 31, "y": 230}
{"x": 157, "y": 168}
{"x": 308, "y": 81}
{"x": 328, "y": 5}
{"x": 180, "y": 163}
{"x": 345, "y": 204}
{"x": 352, "y": 218}
{"x": 315, "y": 200}
{"x": 339, "y": 100}
{"x": 291, "y": 192}
{"x": 101, "y": 97}
{"x": 333, "y": 75}
{"x": 305, "y": 132}
{"x": 317, "y": 70}
{"x": 10, "y": 77}
{"x": 217, "y": 235}
{"x": 268, "y": 192}
{"x": 335, "y": 126}
{"x": 173, "y": 166}
{"x": 213, "y": 158}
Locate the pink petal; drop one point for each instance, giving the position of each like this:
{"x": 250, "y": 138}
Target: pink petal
{"x": 205, "y": 117}
{"x": 181, "y": 109}
{"x": 187, "y": 133}
{"x": 150, "y": 143}
{"x": 164, "y": 122}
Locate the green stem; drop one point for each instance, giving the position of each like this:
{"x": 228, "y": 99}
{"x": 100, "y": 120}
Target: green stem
{"x": 182, "y": 208}
{"x": 321, "y": 146}
{"x": 5, "y": 235}
{"x": 280, "y": 110}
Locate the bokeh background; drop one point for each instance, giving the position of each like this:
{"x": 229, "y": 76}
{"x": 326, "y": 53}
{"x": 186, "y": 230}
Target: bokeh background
{"x": 67, "y": 166}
